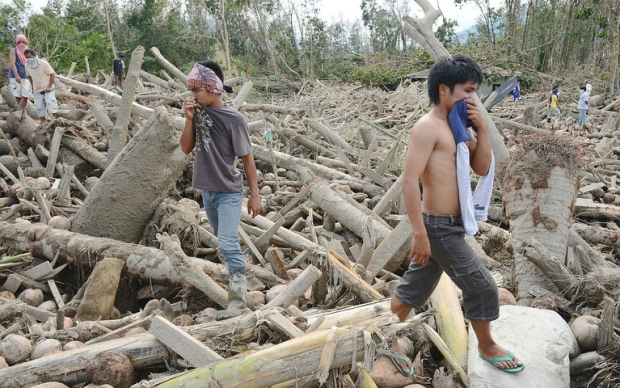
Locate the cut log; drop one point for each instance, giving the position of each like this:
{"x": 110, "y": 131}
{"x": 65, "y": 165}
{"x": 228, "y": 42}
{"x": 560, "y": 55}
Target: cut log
{"x": 98, "y": 300}
{"x": 26, "y": 129}
{"x": 141, "y": 176}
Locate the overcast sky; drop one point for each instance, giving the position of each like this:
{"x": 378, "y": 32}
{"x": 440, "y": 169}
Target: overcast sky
{"x": 350, "y": 10}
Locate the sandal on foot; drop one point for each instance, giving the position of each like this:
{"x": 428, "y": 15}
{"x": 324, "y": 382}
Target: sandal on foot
{"x": 394, "y": 357}
{"x": 510, "y": 357}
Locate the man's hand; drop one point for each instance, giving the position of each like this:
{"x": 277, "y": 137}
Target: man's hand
{"x": 189, "y": 107}
{"x": 18, "y": 79}
{"x": 254, "y": 205}
{"x": 474, "y": 113}
{"x": 420, "y": 249}
{"x": 48, "y": 89}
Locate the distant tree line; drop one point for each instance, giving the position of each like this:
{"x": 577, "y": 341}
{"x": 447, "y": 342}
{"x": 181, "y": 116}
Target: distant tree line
{"x": 291, "y": 39}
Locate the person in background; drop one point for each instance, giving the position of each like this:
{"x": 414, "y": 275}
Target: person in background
{"x": 118, "y": 68}
{"x": 18, "y": 80}
{"x": 584, "y": 101}
{"x": 42, "y": 76}
{"x": 553, "y": 105}
{"x": 516, "y": 93}
{"x": 219, "y": 135}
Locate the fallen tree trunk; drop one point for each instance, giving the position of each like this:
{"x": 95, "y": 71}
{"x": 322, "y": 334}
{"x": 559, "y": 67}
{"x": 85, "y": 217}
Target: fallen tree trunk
{"x": 85, "y": 151}
{"x": 26, "y": 129}
{"x": 69, "y": 367}
{"x": 44, "y": 241}
{"x": 141, "y": 176}
{"x": 291, "y": 163}
{"x": 273, "y": 365}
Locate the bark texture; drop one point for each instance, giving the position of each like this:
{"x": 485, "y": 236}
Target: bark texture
{"x": 132, "y": 187}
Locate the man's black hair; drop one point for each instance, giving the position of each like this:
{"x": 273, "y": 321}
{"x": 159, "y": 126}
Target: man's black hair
{"x": 121, "y": 56}
{"x": 450, "y": 71}
{"x": 582, "y": 88}
{"x": 30, "y": 51}
{"x": 555, "y": 87}
{"x": 218, "y": 71}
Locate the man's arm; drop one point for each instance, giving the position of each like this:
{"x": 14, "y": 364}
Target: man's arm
{"x": 51, "y": 83}
{"x": 254, "y": 205}
{"x": 13, "y": 66}
{"x": 421, "y": 145}
{"x": 480, "y": 147}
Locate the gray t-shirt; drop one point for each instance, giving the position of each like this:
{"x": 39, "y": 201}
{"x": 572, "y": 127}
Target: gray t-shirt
{"x": 214, "y": 162}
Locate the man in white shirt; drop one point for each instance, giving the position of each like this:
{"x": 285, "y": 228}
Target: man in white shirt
{"x": 584, "y": 101}
{"x": 42, "y": 75}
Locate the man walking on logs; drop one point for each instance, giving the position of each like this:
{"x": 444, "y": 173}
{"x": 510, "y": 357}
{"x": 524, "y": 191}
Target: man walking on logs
{"x": 219, "y": 134}
{"x": 42, "y": 75}
{"x": 440, "y": 152}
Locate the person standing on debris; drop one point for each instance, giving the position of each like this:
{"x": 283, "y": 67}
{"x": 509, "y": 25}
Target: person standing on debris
{"x": 42, "y": 75}
{"x": 118, "y": 68}
{"x": 584, "y": 100}
{"x": 18, "y": 80}
{"x": 516, "y": 93}
{"x": 553, "y": 105}
{"x": 441, "y": 151}
{"x": 219, "y": 135}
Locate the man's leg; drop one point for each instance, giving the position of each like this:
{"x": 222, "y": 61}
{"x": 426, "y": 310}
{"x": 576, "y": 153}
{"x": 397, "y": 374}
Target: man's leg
{"x": 489, "y": 349}
{"x": 39, "y": 103}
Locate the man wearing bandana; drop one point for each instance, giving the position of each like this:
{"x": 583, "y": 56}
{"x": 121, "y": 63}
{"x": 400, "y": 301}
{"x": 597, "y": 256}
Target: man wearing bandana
{"x": 18, "y": 81}
{"x": 42, "y": 75}
{"x": 219, "y": 135}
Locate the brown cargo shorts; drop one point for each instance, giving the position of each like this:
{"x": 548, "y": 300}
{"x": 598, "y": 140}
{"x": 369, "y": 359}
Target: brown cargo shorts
{"x": 451, "y": 254}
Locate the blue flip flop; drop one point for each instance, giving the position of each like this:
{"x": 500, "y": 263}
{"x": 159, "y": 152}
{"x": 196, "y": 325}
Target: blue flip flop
{"x": 510, "y": 357}
{"x": 395, "y": 357}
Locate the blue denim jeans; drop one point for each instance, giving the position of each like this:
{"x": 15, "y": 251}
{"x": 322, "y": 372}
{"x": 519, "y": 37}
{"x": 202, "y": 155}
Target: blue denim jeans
{"x": 582, "y": 117}
{"x": 224, "y": 214}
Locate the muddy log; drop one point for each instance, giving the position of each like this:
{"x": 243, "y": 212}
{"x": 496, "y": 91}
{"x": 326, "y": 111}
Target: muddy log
{"x": 540, "y": 190}
{"x": 45, "y": 241}
{"x": 135, "y": 184}
{"x": 26, "y": 129}
{"x": 69, "y": 367}
{"x": 85, "y": 151}
{"x": 347, "y": 214}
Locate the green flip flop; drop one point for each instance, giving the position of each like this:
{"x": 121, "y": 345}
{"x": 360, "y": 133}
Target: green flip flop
{"x": 510, "y": 357}
{"x": 395, "y": 357}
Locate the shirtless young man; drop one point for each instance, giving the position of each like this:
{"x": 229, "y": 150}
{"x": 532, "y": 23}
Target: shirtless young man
{"x": 439, "y": 236}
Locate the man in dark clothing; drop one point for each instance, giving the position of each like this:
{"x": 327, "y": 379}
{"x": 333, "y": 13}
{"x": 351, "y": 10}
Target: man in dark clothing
{"x": 118, "y": 67}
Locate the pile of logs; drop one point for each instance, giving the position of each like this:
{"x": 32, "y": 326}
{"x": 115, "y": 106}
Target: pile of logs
{"x": 111, "y": 275}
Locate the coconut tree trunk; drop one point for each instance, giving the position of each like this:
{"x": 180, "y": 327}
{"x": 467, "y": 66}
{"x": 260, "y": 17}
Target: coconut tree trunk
{"x": 134, "y": 185}
{"x": 540, "y": 190}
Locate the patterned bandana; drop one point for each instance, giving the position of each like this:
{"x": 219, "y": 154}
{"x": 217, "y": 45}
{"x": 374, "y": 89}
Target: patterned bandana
{"x": 204, "y": 78}
{"x": 21, "y": 44}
